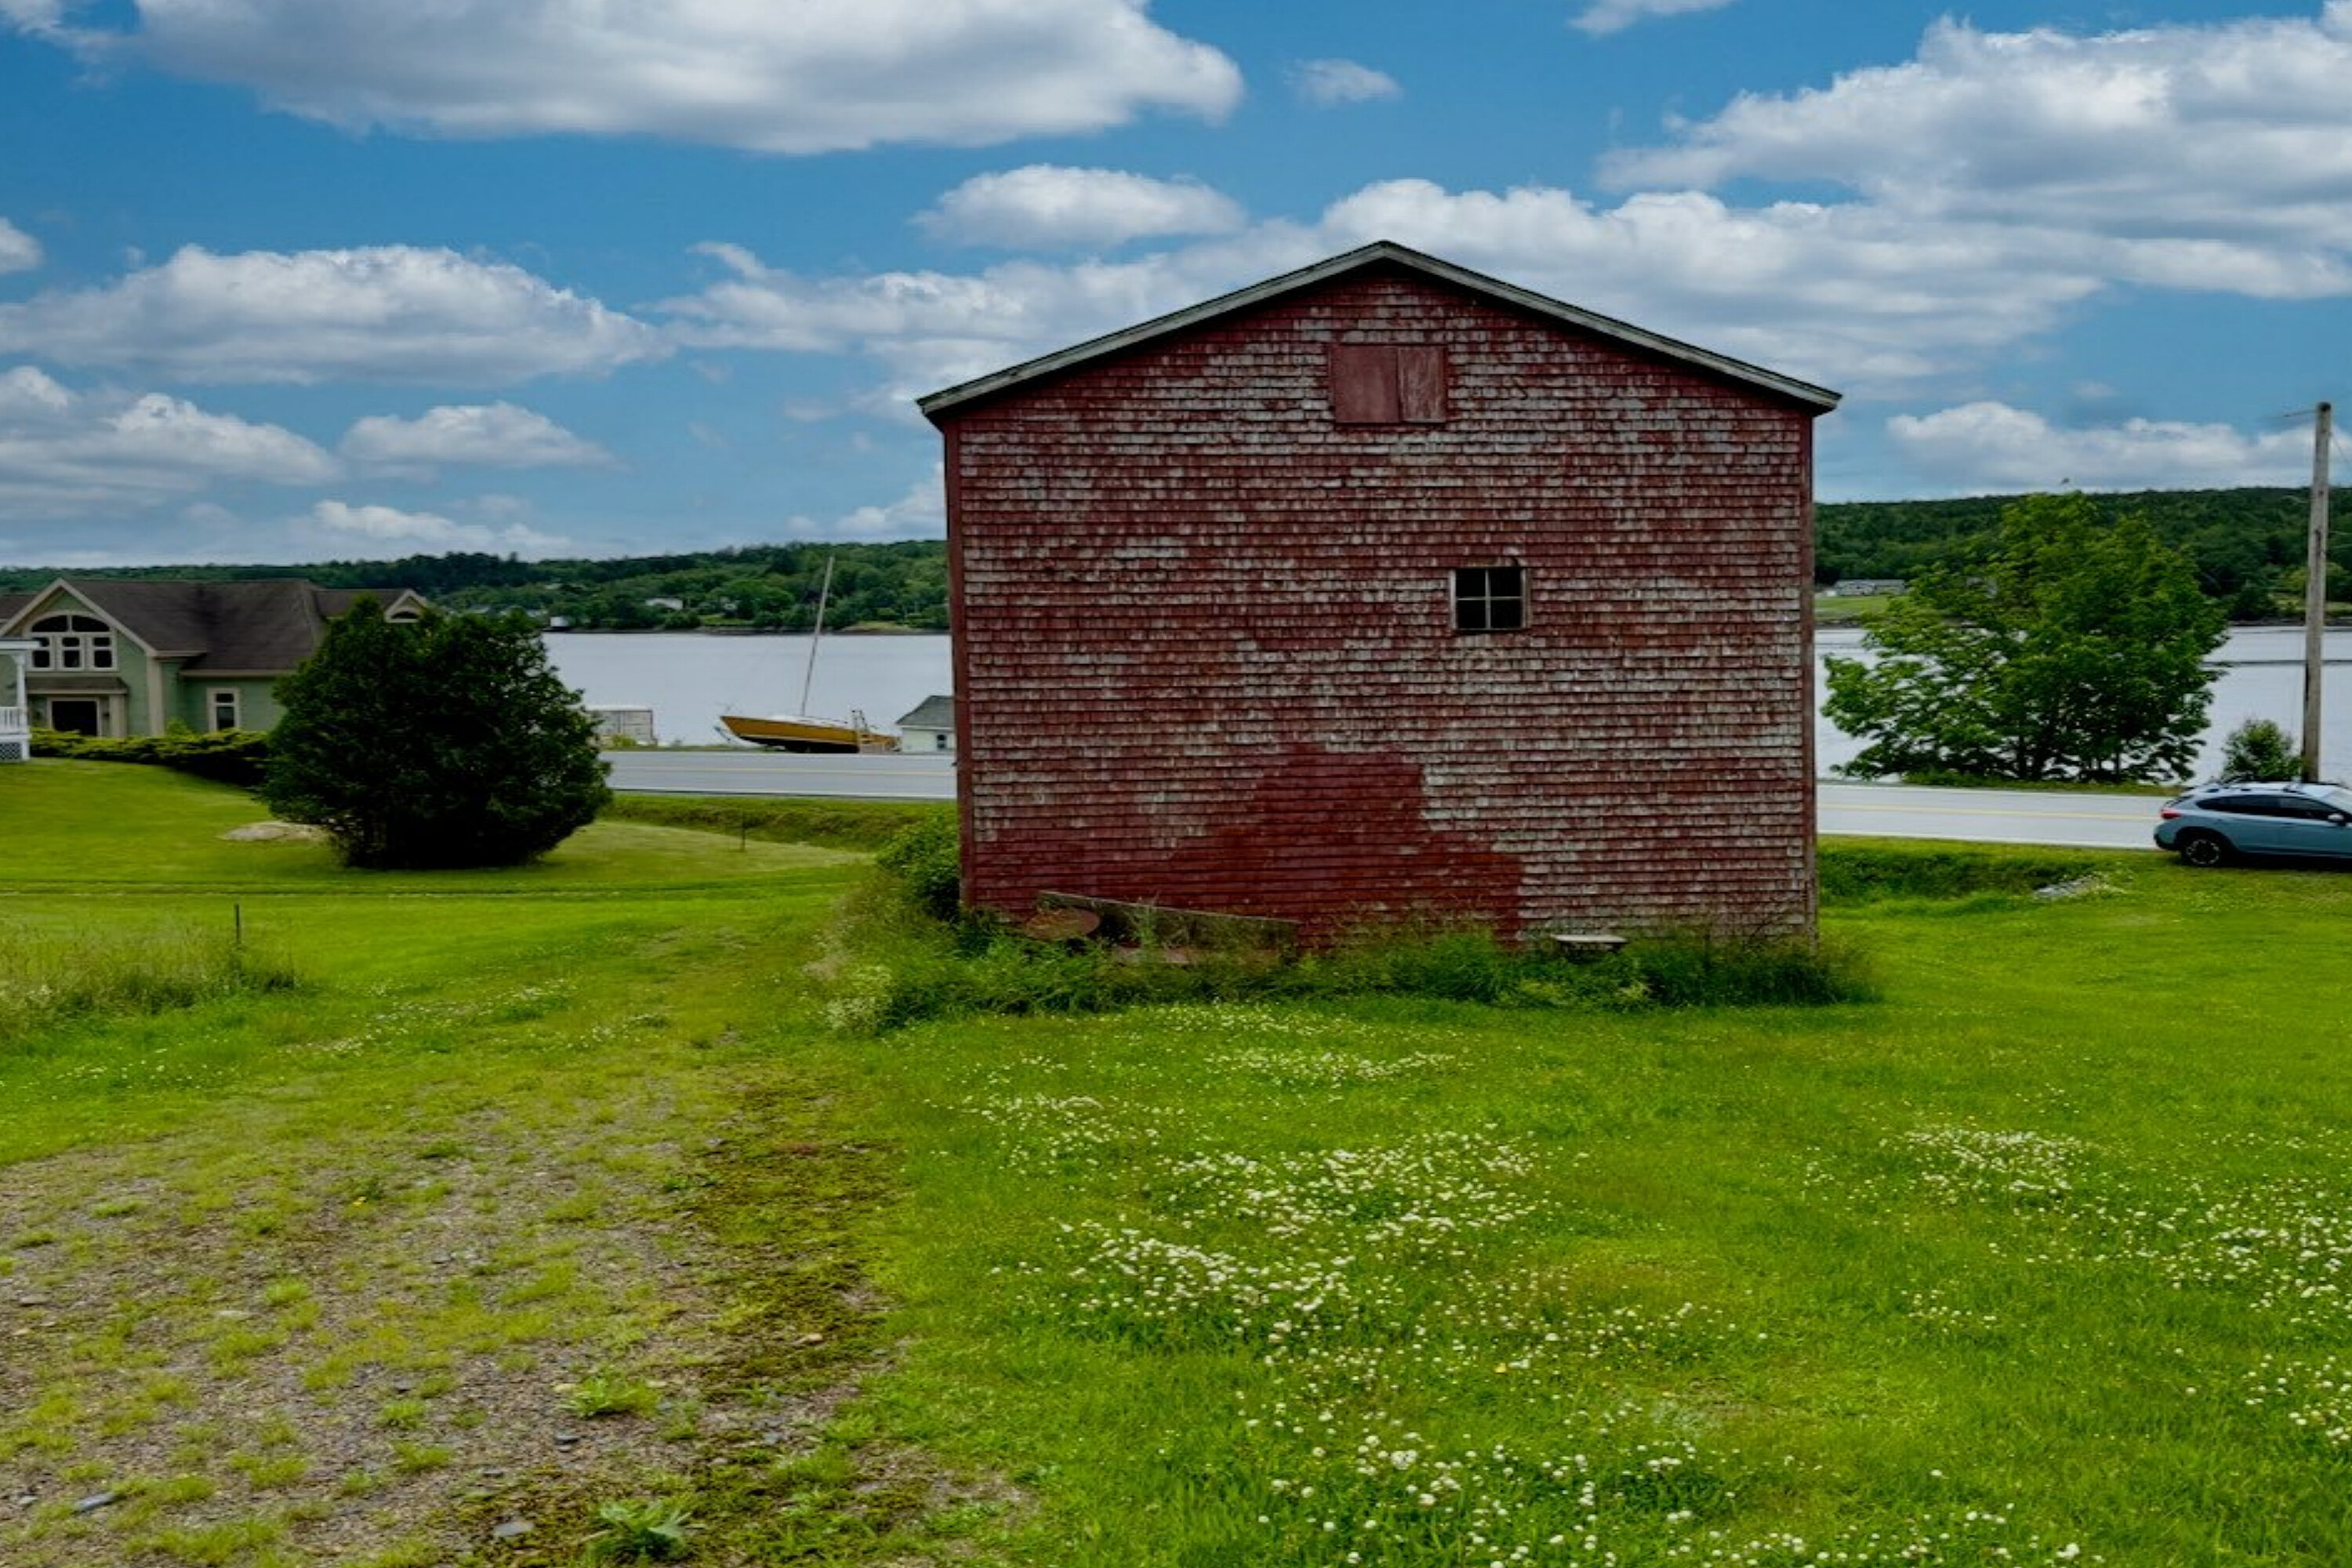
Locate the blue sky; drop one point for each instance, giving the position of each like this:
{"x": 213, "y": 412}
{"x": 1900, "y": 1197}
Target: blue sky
{"x": 291, "y": 279}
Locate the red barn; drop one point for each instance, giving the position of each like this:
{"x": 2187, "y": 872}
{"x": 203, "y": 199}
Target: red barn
{"x": 1385, "y": 590}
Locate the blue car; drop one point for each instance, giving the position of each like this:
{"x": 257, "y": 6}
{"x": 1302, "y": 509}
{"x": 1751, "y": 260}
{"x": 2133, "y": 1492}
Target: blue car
{"x": 2215, "y": 823}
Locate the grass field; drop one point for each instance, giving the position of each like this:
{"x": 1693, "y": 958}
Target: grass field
{"x": 545, "y": 1190}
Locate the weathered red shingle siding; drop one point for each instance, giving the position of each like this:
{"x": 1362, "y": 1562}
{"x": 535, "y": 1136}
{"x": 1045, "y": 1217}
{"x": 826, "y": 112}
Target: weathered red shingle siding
{"x": 1204, "y": 646}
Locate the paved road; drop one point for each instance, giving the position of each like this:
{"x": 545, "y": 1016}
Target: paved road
{"x": 1900, "y": 811}
{"x": 879, "y": 776}
{"x": 1992, "y": 816}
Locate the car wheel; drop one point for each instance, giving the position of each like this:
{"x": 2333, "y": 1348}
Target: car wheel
{"x": 2204, "y": 850}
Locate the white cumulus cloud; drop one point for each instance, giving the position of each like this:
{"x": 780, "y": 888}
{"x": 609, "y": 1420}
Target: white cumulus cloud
{"x": 341, "y": 525}
{"x": 1325, "y": 83}
{"x": 1047, "y": 205}
{"x": 39, "y": 17}
{"x": 19, "y": 251}
{"x": 2205, "y": 157}
{"x": 777, "y": 76}
{"x": 495, "y": 435}
{"x": 1604, "y": 16}
{"x": 921, "y": 512}
{"x": 1851, "y": 294}
{"x": 1990, "y": 190}
{"x": 70, "y": 453}
{"x": 399, "y": 313}
{"x": 933, "y": 328}
{"x": 1993, "y": 445}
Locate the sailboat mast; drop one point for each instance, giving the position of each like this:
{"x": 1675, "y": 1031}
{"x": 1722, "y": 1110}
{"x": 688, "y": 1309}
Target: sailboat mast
{"x": 824, "y": 594}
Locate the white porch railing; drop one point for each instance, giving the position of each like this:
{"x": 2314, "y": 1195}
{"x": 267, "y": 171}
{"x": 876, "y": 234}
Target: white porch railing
{"x": 15, "y": 735}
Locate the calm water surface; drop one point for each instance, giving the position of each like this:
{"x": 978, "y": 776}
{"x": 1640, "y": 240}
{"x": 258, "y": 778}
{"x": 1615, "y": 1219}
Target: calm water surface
{"x": 689, "y": 680}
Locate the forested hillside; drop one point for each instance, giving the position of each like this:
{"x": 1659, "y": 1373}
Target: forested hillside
{"x": 2247, "y": 546}
{"x": 760, "y": 587}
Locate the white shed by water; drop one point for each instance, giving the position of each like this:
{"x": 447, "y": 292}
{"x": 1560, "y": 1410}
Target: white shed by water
{"x": 931, "y": 727}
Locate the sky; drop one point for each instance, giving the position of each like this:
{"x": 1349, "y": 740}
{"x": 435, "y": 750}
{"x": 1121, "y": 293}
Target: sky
{"x": 287, "y": 280}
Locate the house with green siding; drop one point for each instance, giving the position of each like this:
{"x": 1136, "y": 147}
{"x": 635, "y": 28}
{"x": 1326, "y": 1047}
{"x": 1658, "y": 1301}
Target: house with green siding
{"x": 103, "y": 656}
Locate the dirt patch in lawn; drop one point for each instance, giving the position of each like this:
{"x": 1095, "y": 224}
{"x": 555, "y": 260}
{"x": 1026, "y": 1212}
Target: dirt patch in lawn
{"x": 443, "y": 1332}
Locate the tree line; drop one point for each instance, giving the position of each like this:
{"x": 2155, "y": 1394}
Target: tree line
{"x": 2245, "y": 546}
{"x": 767, "y": 587}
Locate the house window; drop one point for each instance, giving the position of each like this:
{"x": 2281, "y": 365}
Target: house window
{"x": 224, "y": 704}
{"x": 1388, "y": 383}
{"x": 73, "y": 642}
{"x": 1490, "y": 599}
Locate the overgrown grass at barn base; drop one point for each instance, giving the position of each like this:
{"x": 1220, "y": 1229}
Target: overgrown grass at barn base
{"x": 904, "y": 953}
{"x": 888, "y": 970}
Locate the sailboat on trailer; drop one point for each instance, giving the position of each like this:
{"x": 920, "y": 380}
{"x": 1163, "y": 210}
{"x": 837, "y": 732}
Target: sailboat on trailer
{"x": 800, "y": 732}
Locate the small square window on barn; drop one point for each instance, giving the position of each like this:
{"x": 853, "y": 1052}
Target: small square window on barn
{"x": 1490, "y": 599}
{"x": 1388, "y": 383}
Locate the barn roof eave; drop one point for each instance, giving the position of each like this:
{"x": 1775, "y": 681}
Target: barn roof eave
{"x": 1820, "y": 399}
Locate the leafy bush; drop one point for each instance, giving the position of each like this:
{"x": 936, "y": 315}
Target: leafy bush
{"x": 2260, "y": 749}
{"x": 447, "y": 741}
{"x": 925, "y": 862}
{"x": 226, "y": 756}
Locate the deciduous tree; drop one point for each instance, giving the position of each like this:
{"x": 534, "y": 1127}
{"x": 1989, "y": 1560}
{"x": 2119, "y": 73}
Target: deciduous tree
{"x": 2073, "y": 647}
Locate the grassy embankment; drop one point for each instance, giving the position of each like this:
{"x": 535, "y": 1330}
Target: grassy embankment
{"x": 1832, "y": 610}
{"x": 2041, "y": 1254}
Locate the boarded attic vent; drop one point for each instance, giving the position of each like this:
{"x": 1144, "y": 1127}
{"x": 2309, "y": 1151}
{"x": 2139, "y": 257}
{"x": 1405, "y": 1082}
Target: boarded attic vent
{"x": 1388, "y": 383}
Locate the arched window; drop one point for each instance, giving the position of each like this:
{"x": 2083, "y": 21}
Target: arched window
{"x": 73, "y": 642}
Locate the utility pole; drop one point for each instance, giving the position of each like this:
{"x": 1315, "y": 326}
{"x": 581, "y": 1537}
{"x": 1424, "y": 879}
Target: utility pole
{"x": 2314, "y": 595}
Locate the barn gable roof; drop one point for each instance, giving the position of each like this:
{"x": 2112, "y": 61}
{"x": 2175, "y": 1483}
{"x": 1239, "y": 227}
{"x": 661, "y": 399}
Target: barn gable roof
{"x": 1380, "y": 253}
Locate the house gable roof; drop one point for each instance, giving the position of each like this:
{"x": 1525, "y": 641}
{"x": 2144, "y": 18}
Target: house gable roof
{"x": 264, "y": 627}
{"x": 930, "y": 713}
{"x": 1379, "y": 254}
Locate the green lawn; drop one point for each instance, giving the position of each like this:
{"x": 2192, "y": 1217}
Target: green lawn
{"x": 1831, "y": 609}
{"x": 330, "y": 1273}
{"x": 2045, "y": 1251}
{"x": 2040, "y": 1259}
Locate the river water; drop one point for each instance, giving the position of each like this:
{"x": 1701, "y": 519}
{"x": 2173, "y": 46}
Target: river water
{"x": 689, "y": 678}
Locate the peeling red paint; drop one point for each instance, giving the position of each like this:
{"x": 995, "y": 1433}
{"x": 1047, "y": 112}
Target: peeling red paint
{"x": 1331, "y": 839}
